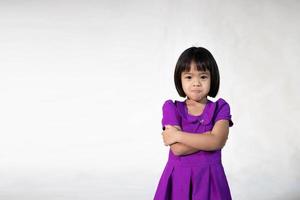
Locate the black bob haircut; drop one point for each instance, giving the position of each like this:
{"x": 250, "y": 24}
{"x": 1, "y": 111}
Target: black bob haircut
{"x": 204, "y": 60}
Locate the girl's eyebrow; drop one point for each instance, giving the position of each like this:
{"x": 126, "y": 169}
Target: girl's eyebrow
{"x": 192, "y": 73}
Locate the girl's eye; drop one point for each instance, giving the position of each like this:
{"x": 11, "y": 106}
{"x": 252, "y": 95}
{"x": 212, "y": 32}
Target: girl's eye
{"x": 202, "y": 77}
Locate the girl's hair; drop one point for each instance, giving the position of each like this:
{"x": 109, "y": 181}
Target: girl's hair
{"x": 204, "y": 60}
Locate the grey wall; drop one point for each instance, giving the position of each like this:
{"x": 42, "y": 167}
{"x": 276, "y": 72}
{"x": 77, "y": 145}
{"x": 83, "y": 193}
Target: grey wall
{"x": 82, "y": 85}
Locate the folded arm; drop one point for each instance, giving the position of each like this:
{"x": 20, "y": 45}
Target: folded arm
{"x": 207, "y": 142}
{"x": 183, "y": 149}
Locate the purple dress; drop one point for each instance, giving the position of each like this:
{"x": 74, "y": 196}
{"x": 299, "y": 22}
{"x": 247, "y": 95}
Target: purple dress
{"x": 200, "y": 175}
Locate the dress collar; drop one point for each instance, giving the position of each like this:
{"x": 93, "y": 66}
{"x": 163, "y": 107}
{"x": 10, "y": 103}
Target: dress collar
{"x": 206, "y": 116}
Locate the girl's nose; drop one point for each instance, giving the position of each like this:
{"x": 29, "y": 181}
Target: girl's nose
{"x": 197, "y": 82}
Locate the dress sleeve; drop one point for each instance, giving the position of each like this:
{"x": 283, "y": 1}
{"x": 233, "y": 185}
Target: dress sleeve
{"x": 223, "y": 112}
{"x": 170, "y": 114}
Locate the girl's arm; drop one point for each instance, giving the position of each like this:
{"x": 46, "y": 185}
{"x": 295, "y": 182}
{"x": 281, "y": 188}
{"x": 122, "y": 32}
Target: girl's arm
{"x": 207, "y": 142}
{"x": 180, "y": 149}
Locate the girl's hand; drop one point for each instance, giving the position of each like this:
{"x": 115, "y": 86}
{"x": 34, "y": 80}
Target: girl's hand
{"x": 170, "y": 135}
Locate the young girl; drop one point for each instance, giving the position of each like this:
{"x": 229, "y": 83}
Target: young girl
{"x": 196, "y": 130}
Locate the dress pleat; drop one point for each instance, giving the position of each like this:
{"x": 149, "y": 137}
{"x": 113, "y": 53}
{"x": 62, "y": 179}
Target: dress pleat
{"x": 181, "y": 179}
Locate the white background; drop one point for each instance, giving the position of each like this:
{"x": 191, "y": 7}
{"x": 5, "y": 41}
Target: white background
{"x": 82, "y": 85}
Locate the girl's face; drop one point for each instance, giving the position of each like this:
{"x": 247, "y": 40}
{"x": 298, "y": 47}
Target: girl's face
{"x": 196, "y": 84}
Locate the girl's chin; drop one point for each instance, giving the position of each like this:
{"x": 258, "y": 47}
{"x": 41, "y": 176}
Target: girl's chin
{"x": 196, "y": 97}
